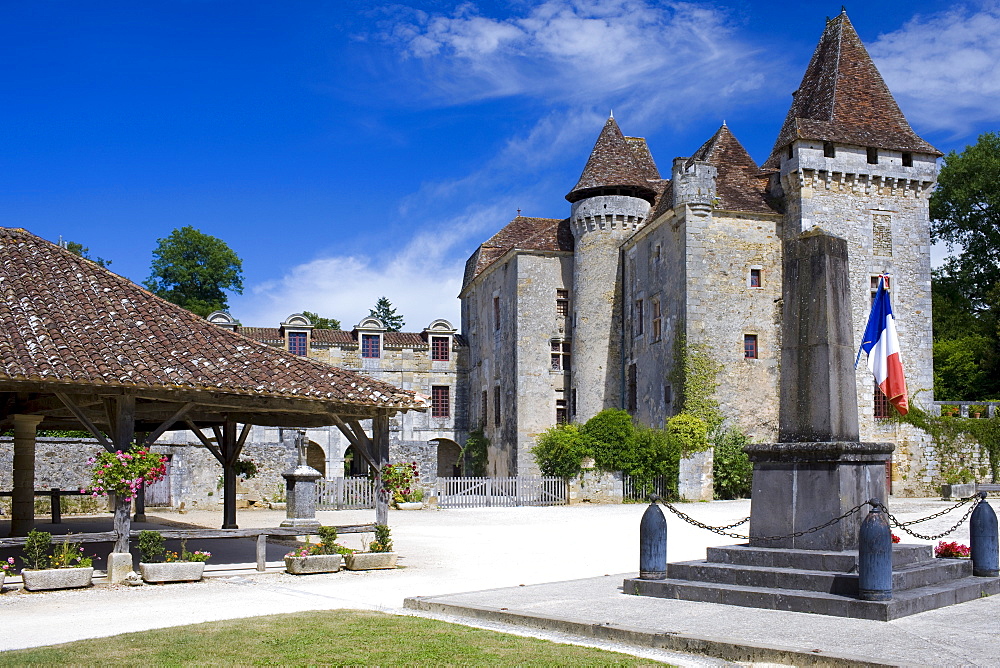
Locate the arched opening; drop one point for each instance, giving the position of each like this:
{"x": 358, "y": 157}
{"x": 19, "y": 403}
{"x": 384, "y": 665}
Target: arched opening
{"x": 315, "y": 457}
{"x": 354, "y": 464}
{"x": 448, "y": 464}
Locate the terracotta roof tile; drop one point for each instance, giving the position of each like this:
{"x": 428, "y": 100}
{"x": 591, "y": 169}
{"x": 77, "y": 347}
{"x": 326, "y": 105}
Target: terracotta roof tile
{"x": 843, "y": 99}
{"x": 739, "y": 184}
{"x": 615, "y": 163}
{"x": 522, "y": 233}
{"x": 69, "y": 321}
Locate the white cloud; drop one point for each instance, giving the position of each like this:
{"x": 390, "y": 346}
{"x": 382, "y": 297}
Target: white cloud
{"x": 942, "y": 68}
{"x": 422, "y": 280}
{"x": 664, "y": 60}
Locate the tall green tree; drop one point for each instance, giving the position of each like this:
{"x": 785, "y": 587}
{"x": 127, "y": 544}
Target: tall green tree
{"x": 965, "y": 214}
{"x": 84, "y": 252}
{"x": 387, "y": 314}
{"x": 194, "y": 270}
{"x": 320, "y": 322}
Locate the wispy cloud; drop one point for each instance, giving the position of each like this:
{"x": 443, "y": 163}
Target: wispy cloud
{"x": 942, "y": 68}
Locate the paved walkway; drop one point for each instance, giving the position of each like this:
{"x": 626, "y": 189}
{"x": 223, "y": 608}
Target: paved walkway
{"x": 570, "y": 561}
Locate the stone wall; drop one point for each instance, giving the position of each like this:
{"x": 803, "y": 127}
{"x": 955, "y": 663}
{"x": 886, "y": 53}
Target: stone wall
{"x": 596, "y": 487}
{"x": 695, "y": 481}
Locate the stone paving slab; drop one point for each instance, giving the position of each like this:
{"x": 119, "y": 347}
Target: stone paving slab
{"x": 965, "y": 634}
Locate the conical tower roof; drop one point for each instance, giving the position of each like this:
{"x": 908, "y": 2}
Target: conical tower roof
{"x": 843, "y": 99}
{"x": 614, "y": 163}
{"x": 740, "y": 184}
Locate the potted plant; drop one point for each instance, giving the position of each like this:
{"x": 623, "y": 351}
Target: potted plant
{"x": 953, "y": 550}
{"x": 401, "y": 482}
{"x": 379, "y": 554}
{"x": 322, "y": 557}
{"x": 66, "y": 568}
{"x": 5, "y": 568}
{"x": 158, "y": 565}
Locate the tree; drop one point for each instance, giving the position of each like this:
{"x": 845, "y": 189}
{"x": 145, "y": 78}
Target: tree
{"x": 561, "y": 450}
{"x": 321, "y": 323}
{"x": 387, "y": 314}
{"x": 192, "y": 269}
{"x": 84, "y": 252}
{"x": 965, "y": 214}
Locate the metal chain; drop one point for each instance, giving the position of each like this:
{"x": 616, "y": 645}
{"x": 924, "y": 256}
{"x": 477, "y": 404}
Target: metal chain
{"x": 722, "y": 530}
{"x": 935, "y": 515}
{"x": 903, "y": 525}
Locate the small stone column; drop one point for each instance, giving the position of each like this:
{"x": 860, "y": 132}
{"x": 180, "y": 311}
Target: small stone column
{"x": 23, "y": 495}
{"x": 300, "y": 491}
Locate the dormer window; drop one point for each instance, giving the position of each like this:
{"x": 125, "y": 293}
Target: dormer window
{"x": 440, "y": 348}
{"x": 370, "y": 347}
{"x": 295, "y": 330}
{"x": 298, "y": 343}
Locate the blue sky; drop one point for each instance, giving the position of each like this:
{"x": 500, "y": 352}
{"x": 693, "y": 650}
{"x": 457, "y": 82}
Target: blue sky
{"x": 347, "y": 150}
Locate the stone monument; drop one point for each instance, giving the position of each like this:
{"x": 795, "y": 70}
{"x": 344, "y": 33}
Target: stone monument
{"x": 300, "y": 491}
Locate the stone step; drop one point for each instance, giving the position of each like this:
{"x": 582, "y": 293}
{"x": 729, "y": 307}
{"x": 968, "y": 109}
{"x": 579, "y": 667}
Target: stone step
{"x": 817, "y": 560}
{"x": 911, "y": 576}
{"x": 903, "y": 603}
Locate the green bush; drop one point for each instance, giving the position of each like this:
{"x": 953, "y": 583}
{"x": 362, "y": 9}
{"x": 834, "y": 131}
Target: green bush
{"x": 36, "y": 550}
{"x": 151, "y": 547}
{"x": 654, "y": 453}
{"x": 561, "y": 450}
{"x": 382, "y": 542}
{"x": 610, "y": 432}
{"x": 732, "y": 470}
{"x": 690, "y": 433}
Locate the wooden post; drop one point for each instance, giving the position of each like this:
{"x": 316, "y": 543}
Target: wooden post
{"x": 54, "y": 497}
{"x": 121, "y": 418}
{"x": 262, "y": 552}
{"x": 23, "y": 494}
{"x": 230, "y": 454}
{"x": 380, "y": 447}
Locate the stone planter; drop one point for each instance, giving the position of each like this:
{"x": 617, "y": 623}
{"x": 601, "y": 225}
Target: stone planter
{"x": 410, "y": 505}
{"x": 370, "y": 561}
{"x": 958, "y": 491}
{"x": 174, "y": 571}
{"x": 57, "y": 578}
{"x": 314, "y": 563}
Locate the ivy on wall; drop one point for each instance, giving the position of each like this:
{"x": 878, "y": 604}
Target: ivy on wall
{"x": 950, "y": 438}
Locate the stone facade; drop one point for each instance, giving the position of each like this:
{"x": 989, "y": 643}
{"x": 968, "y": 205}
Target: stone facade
{"x": 651, "y": 265}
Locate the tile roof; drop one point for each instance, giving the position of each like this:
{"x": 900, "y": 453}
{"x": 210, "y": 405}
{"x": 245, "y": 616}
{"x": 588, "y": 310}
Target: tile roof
{"x": 272, "y": 336}
{"x": 843, "y": 99}
{"x": 616, "y": 162}
{"x": 740, "y": 185}
{"x": 66, "y": 321}
{"x": 522, "y": 233}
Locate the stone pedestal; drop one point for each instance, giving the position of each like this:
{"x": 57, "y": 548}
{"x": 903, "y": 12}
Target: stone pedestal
{"x": 119, "y": 567}
{"x": 797, "y": 486}
{"x": 300, "y": 490}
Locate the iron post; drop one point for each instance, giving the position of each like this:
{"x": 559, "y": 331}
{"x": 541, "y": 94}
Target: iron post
{"x": 875, "y": 556}
{"x": 983, "y": 540}
{"x": 653, "y": 543}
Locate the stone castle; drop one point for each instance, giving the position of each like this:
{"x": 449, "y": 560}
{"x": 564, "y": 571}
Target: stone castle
{"x": 567, "y": 317}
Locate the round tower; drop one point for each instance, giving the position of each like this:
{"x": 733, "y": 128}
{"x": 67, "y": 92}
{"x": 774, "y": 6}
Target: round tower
{"x": 609, "y": 203}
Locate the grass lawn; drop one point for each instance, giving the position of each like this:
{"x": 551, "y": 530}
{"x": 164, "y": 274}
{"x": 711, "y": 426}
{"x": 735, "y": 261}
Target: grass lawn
{"x": 340, "y": 637}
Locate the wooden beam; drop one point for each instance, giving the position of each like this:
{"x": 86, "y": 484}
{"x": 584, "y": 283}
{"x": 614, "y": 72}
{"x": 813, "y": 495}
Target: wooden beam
{"x": 85, "y": 421}
{"x": 168, "y": 423}
{"x": 355, "y": 443}
{"x": 212, "y": 447}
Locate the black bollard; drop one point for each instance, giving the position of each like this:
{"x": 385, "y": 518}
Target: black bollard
{"x": 985, "y": 550}
{"x": 653, "y": 543}
{"x": 875, "y": 556}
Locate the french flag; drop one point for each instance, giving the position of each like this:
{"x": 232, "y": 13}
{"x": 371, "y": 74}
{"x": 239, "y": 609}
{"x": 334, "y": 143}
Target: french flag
{"x": 882, "y": 346}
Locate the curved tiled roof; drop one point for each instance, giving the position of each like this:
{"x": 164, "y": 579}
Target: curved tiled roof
{"x": 66, "y": 321}
{"x": 843, "y": 99}
{"x": 739, "y": 183}
{"x": 616, "y": 163}
{"x": 522, "y": 233}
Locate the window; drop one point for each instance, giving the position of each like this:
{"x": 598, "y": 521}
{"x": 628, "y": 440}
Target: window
{"x": 637, "y": 323}
{"x": 755, "y": 278}
{"x": 872, "y": 156}
{"x": 441, "y": 401}
{"x": 440, "y": 350}
{"x": 828, "y": 150}
{"x": 875, "y": 286}
{"x": 562, "y": 302}
{"x": 496, "y": 313}
{"x": 750, "y": 346}
{"x": 668, "y": 397}
{"x": 882, "y": 410}
{"x": 657, "y": 322}
{"x": 907, "y": 160}
{"x": 496, "y": 406}
{"x": 370, "y": 346}
{"x": 632, "y": 398}
{"x": 297, "y": 343}
{"x": 656, "y": 253}
{"x": 560, "y": 355}
{"x": 561, "y": 415}
{"x": 791, "y": 151}
{"x": 484, "y": 408}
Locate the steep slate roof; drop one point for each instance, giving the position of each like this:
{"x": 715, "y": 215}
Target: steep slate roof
{"x": 645, "y": 158}
{"x": 614, "y": 163}
{"x": 522, "y": 233}
{"x": 65, "y": 321}
{"x": 843, "y": 99}
{"x": 739, "y": 184}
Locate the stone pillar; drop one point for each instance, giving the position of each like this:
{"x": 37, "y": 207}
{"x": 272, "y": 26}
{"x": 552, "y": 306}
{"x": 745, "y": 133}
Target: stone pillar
{"x": 23, "y": 497}
{"x": 300, "y": 491}
{"x": 819, "y": 470}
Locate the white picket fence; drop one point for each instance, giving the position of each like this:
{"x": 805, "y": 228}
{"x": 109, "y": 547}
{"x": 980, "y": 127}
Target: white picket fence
{"x": 345, "y": 493}
{"x": 501, "y": 492}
